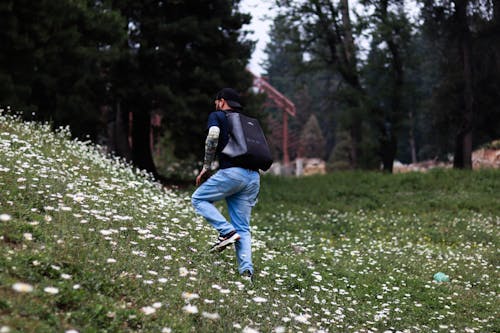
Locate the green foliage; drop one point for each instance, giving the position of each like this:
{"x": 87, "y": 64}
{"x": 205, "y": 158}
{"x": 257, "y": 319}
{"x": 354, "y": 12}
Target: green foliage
{"x": 54, "y": 59}
{"x": 81, "y": 63}
{"x": 306, "y": 83}
{"x": 435, "y": 192}
{"x": 181, "y": 53}
{"x": 340, "y": 157}
{"x": 444, "y": 106}
{"x": 407, "y": 97}
{"x": 492, "y": 145}
{"x": 175, "y": 170}
{"x": 312, "y": 142}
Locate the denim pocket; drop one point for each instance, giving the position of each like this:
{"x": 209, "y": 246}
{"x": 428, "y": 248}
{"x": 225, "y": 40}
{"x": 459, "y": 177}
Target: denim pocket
{"x": 235, "y": 174}
{"x": 229, "y": 182}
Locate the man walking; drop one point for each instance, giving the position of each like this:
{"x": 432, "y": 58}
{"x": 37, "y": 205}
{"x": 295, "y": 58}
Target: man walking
{"x": 235, "y": 183}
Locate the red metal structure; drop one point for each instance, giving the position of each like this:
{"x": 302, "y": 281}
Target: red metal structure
{"x": 277, "y": 99}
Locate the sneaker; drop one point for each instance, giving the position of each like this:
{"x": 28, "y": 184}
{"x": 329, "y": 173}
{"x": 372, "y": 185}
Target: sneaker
{"x": 224, "y": 241}
{"x": 247, "y": 275}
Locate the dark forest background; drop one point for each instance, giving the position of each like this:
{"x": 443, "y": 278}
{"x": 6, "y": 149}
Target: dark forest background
{"x": 383, "y": 82}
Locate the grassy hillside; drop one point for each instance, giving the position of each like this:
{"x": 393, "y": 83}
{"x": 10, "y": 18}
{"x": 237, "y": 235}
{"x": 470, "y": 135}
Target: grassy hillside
{"x": 90, "y": 245}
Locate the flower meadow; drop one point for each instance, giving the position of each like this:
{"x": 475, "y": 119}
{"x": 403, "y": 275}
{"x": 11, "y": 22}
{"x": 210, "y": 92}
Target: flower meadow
{"x": 90, "y": 244}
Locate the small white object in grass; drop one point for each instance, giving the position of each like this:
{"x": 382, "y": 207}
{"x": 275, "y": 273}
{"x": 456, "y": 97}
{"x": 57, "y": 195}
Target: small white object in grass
{"x": 51, "y": 290}
{"x": 189, "y": 296}
{"x": 183, "y": 271}
{"x": 5, "y": 218}
{"x": 304, "y": 319}
{"x": 211, "y": 316}
{"x": 148, "y": 310}
{"x": 248, "y": 329}
{"x": 22, "y": 287}
{"x": 193, "y": 309}
{"x": 259, "y": 299}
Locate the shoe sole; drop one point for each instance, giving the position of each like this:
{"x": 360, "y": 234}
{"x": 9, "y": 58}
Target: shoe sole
{"x": 222, "y": 245}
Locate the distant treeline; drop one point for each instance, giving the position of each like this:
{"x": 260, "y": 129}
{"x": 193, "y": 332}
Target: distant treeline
{"x": 389, "y": 79}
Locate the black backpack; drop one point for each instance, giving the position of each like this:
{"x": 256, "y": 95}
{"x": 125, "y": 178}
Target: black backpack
{"x": 247, "y": 145}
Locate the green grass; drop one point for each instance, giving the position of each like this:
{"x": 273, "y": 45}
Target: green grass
{"x": 349, "y": 251}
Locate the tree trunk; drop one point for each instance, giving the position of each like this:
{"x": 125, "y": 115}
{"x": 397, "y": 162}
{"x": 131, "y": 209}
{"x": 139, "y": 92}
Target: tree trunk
{"x": 389, "y": 142}
{"x": 119, "y": 133}
{"x": 496, "y": 11}
{"x": 388, "y": 152}
{"x": 411, "y": 139}
{"x": 348, "y": 41}
{"x": 351, "y": 76}
{"x": 463, "y": 142}
{"x": 355, "y": 133}
{"x": 496, "y": 23}
{"x": 141, "y": 150}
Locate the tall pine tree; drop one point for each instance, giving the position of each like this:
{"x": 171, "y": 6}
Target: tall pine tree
{"x": 178, "y": 54}
{"x": 54, "y": 57}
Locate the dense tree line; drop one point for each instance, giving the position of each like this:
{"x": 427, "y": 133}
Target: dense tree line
{"x": 370, "y": 87}
{"x": 95, "y": 64}
{"x": 415, "y": 89}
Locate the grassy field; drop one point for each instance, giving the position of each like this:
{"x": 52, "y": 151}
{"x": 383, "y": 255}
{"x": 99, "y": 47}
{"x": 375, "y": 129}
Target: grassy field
{"x": 90, "y": 245}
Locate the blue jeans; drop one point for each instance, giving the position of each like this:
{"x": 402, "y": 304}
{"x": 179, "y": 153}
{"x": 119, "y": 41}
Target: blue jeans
{"x": 240, "y": 188}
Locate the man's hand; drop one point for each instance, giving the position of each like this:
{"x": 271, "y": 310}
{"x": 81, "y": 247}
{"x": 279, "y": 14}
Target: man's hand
{"x": 202, "y": 176}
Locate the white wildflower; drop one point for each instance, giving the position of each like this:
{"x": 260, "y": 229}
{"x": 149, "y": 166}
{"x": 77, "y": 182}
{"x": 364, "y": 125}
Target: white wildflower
{"x": 22, "y": 287}
{"x": 193, "y": 309}
{"x": 148, "y": 310}
{"x": 79, "y": 197}
{"x": 51, "y": 290}
{"x": 304, "y": 319}
{"x": 259, "y": 299}
{"x": 248, "y": 329}
{"x": 211, "y": 316}
{"x": 183, "y": 271}
{"x": 189, "y": 296}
